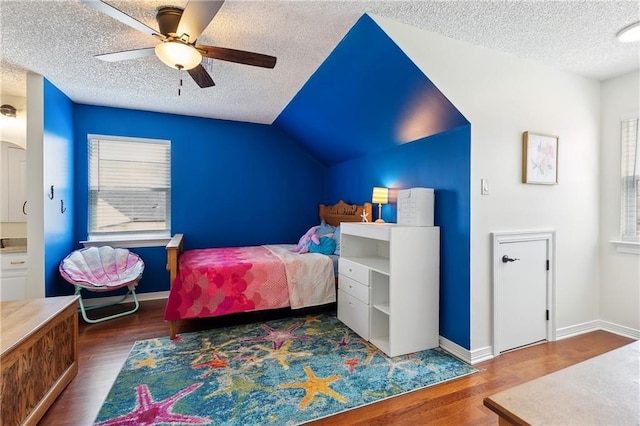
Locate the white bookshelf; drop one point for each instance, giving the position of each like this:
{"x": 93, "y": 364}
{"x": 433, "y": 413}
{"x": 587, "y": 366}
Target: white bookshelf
{"x": 388, "y": 285}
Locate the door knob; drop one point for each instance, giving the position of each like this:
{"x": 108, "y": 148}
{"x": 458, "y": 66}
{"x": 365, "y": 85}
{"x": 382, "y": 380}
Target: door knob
{"x": 506, "y": 259}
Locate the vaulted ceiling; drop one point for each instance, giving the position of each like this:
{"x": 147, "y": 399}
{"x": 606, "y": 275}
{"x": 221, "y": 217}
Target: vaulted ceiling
{"x": 366, "y": 97}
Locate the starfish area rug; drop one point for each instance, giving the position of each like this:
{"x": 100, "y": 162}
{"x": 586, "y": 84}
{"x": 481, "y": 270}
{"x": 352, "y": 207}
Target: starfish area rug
{"x": 283, "y": 372}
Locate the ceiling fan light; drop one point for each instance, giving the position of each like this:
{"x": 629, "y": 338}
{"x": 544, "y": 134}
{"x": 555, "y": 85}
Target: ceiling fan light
{"x": 629, "y": 33}
{"x": 178, "y": 55}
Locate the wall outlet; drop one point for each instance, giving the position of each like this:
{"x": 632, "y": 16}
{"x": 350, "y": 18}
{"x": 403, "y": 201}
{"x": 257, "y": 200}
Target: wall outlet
{"x": 484, "y": 187}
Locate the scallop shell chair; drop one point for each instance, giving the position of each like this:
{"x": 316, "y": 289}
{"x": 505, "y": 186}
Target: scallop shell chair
{"x": 103, "y": 269}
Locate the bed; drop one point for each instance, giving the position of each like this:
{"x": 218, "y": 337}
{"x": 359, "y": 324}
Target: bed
{"x": 221, "y": 281}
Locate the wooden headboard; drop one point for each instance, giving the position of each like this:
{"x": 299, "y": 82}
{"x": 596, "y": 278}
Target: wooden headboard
{"x": 343, "y": 212}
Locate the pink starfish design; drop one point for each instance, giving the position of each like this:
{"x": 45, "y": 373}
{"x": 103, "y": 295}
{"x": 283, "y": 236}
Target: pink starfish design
{"x": 278, "y": 337}
{"x": 150, "y": 412}
{"x": 344, "y": 342}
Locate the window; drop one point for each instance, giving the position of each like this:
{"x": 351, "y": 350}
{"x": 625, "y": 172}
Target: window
{"x": 129, "y": 188}
{"x": 630, "y": 155}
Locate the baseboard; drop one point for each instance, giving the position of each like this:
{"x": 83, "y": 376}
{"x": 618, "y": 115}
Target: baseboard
{"x": 587, "y": 327}
{"x": 156, "y": 295}
{"x": 482, "y": 354}
{"x": 620, "y": 330}
{"x": 576, "y": 330}
{"x": 455, "y": 350}
{"x": 470, "y": 357}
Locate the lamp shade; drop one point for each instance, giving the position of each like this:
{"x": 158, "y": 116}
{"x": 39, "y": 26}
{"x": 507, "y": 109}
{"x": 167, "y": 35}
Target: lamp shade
{"x": 380, "y": 195}
{"x": 179, "y": 55}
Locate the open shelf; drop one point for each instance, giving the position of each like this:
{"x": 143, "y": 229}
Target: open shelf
{"x": 384, "y": 308}
{"x": 380, "y": 328}
{"x": 375, "y": 263}
{"x": 381, "y": 343}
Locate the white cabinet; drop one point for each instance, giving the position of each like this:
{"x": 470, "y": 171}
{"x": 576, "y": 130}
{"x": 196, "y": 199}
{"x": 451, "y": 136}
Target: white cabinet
{"x": 13, "y": 182}
{"x": 13, "y": 281}
{"x": 388, "y": 285}
{"x": 353, "y": 296}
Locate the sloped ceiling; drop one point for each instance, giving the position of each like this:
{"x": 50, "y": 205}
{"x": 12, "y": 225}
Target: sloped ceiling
{"x": 366, "y": 97}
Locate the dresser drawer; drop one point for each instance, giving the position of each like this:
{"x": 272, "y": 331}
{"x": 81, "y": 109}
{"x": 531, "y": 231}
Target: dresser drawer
{"x": 353, "y": 270}
{"x": 354, "y": 288}
{"x": 354, "y": 313}
{"x": 13, "y": 262}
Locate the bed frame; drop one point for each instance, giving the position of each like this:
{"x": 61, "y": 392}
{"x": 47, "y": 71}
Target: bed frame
{"x": 333, "y": 215}
{"x": 343, "y": 212}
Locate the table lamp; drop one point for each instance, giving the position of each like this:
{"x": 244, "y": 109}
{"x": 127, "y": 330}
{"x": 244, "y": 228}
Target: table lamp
{"x": 380, "y": 196}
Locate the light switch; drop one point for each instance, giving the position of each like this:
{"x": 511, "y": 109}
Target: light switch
{"x": 484, "y": 187}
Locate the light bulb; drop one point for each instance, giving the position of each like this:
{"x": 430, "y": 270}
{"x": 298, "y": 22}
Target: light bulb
{"x": 178, "y": 55}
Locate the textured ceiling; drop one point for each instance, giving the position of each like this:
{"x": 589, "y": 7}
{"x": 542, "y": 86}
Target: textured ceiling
{"x": 59, "y": 38}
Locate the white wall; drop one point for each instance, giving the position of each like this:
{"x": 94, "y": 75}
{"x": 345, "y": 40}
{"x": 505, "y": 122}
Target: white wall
{"x": 620, "y": 272}
{"x": 35, "y": 179}
{"x": 503, "y": 96}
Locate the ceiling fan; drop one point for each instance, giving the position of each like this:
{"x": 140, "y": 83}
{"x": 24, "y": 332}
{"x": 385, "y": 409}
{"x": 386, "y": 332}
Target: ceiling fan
{"x": 178, "y": 32}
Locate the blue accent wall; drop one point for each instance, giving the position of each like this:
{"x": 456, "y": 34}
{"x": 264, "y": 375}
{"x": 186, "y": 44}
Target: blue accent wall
{"x": 371, "y": 115}
{"x": 58, "y": 171}
{"x": 367, "y": 96}
{"x": 232, "y": 183}
{"x": 442, "y": 162}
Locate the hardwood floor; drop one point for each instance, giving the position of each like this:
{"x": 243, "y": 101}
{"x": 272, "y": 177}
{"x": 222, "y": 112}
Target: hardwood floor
{"x": 103, "y": 347}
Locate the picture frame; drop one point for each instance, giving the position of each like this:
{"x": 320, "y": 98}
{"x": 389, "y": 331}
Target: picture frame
{"x": 539, "y": 158}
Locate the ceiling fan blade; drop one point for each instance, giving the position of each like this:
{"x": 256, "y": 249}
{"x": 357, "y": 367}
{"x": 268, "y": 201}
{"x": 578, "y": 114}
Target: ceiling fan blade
{"x": 109, "y": 10}
{"x": 196, "y": 16}
{"x": 201, "y": 76}
{"x": 238, "y": 56}
{"x": 127, "y": 54}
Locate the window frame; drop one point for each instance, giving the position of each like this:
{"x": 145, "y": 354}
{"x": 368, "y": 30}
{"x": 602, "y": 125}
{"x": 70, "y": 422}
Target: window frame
{"x": 629, "y": 244}
{"x": 626, "y": 196}
{"x": 133, "y": 238}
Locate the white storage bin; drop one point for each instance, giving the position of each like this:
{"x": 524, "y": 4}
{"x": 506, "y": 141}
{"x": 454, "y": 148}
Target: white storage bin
{"x": 415, "y": 206}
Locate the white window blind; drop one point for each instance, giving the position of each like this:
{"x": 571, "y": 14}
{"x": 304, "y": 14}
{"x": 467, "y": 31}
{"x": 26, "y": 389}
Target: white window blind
{"x": 129, "y": 186}
{"x": 630, "y": 173}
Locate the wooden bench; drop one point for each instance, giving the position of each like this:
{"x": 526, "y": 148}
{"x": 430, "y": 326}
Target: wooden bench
{"x": 39, "y": 355}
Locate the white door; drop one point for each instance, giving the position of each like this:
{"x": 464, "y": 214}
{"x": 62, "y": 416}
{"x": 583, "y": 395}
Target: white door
{"x": 520, "y": 293}
{"x": 17, "y": 174}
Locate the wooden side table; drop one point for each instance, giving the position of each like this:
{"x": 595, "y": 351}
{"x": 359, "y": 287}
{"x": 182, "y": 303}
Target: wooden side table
{"x": 39, "y": 355}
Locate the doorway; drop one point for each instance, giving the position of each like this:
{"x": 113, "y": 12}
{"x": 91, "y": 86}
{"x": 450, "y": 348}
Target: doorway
{"x": 523, "y": 289}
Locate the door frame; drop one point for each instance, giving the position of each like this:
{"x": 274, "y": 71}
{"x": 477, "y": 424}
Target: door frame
{"x": 517, "y": 237}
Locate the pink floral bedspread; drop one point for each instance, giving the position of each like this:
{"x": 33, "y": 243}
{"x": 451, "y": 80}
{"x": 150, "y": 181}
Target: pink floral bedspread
{"x": 220, "y": 281}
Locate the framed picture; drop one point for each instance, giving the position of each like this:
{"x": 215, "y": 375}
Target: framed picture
{"x": 539, "y": 158}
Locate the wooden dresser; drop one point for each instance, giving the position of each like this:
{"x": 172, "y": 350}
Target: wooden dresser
{"x": 39, "y": 355}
